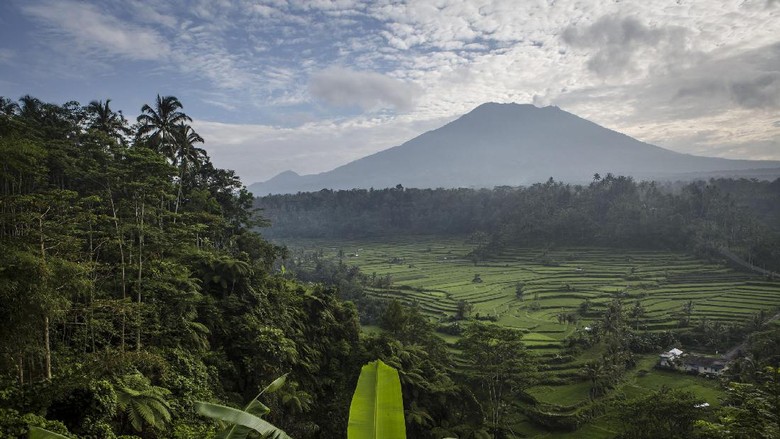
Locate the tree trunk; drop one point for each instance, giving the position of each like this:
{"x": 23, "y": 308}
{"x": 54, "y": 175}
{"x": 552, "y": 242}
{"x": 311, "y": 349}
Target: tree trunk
{"x": 122, "y": 261}
{"x": 47, "y": 341}
{"x": 20, "y": 365}
{"x": 178, "y": 193}
{"x": 48, "y": 349}
{"x": 140, "y": 274}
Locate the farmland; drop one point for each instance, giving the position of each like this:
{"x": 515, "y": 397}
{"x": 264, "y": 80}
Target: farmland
{"x": 529, "y": 289}
{"x": 435, "y": 274}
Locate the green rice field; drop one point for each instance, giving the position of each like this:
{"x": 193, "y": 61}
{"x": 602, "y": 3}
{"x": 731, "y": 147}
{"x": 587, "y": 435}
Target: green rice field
{"x": 435, "y": 273}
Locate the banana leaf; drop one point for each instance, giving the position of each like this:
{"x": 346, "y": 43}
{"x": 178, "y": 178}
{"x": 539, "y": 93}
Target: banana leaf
{"x": 240, "y": 418}
{"x": 255, "y": 408}
{"x": 42, "y": 433}
{"x": 377, "y": 409}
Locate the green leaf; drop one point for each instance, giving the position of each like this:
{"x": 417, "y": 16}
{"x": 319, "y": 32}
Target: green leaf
{"x": 377, "y": 409}
{"x": 42, "y": 433}
{"x": 238, "y": 417}
{"x": 275, "y": 385}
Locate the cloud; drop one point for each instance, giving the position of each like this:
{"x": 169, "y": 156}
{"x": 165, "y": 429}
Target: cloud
{"x": 368, "y": 90}
{"x": 616, "y": 43}
{"x": 749, "y": 79}
{"x": 762, "y": 91}
{"x": 92, "y": 31}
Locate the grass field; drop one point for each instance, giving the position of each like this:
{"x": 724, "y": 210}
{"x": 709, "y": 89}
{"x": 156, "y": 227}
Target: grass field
{"x": 435, "y": 274}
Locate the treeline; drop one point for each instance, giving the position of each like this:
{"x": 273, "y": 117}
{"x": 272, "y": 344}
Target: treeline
{"x": 742, "y": 215}
{"x": 132, "y": 286}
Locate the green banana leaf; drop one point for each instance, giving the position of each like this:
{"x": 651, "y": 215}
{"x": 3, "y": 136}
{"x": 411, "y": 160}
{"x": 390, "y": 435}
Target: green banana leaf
{"x": 42, "y": 433}
{"x": 239, "y": 417}
{"x": 255, "y": 408}
{"x": 377, "y": 409}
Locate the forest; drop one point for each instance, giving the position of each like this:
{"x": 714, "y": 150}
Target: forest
{"x": 701, "y": 217}
{"x": 135, "y": 286}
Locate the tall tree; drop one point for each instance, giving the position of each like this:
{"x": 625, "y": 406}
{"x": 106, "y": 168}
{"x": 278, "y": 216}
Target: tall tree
{"x": 187, "y": 155}
{"x": 104, "y": 119}
{"x": 158, "y": 125}
{"x": 499, "y": 365}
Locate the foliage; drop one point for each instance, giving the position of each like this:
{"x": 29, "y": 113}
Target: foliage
{"x": 615, "y": 211}
{"x": 142, "y": 403}
{"x": 247, "y": 419}
{"x": 377, "y": 406}
{"x": 499, "y": 366}
{"x": 749, "y": 411}
{"x": 133, "y": 286}
{"x": 667, "y": 413}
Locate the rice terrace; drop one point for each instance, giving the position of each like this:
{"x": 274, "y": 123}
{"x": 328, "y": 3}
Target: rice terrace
{"x": 557, "y": 295}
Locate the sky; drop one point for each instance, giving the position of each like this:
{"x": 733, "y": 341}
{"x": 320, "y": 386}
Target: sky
{"x": 309, "y": 85}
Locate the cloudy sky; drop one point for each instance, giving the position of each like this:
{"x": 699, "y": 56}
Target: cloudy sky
{"x": 309, "y": 85}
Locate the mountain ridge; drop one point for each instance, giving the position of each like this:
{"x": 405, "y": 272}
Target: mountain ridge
{"x": 511, "y": 144}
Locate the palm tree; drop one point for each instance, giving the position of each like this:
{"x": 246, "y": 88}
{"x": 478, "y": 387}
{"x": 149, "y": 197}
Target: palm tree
{"x": 103, "y": 119}
{"x": 186, "y": 154}
{"x": 594, "y": 371}
{"x": 31, "y": 108}
{"x": 159, "y": 124}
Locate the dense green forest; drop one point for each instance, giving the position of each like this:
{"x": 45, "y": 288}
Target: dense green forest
{"x": 133, "y": 284}
{"x": 701, "y": 217}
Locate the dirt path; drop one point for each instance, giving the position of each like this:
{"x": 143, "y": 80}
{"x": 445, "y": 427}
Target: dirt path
{"x": 733, "y": 257}
{"x": 733, "y": 352}
{"x": 736, "y": 350}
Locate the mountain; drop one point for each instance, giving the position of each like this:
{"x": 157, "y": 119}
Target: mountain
{"x": 512, "y": 144}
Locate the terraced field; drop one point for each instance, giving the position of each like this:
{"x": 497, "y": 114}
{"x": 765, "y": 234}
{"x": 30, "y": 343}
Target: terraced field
{"x": 435, "y": 274}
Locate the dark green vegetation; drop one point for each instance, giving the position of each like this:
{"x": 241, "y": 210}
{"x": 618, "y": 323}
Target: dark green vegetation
{"x": 595, "y": 281}
{"x": 700, "y": 218}
{"x": 594, "y": 319}
{"x": 131, "y": 287}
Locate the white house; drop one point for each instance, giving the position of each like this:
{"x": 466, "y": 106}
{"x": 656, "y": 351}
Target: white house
{"x": 667, "y": 358}
{"x": 703, "y": 365}
{"x": 676, "y": 359}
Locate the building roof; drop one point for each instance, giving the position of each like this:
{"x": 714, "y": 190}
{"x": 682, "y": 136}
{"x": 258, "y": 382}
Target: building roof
{"x": 672, "y": 353}
{"x": 704, "y": 361}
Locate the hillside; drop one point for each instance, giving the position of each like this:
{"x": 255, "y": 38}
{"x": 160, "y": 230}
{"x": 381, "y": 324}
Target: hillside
{"x": 512, "y": 144}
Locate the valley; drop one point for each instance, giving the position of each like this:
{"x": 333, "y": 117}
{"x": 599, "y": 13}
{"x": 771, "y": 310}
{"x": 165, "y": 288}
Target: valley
{"x": 556, "y": 297}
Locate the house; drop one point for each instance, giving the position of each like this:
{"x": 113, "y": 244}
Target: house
{"x": 676, "y": 359}
{"x": 703, "y": 365}
{"x": 667, "y": 359}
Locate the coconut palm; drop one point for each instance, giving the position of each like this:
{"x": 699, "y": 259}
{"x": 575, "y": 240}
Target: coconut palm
{"x": 158, "y": 125}
{"x": 31, "y": 108}
{"x": 595, "y": 372}
{"x": 103, "y": 119}
{"x": 186, "y": 155}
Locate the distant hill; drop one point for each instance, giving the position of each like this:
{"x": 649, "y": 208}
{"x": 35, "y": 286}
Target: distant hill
{"x": 512, "y": 144}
